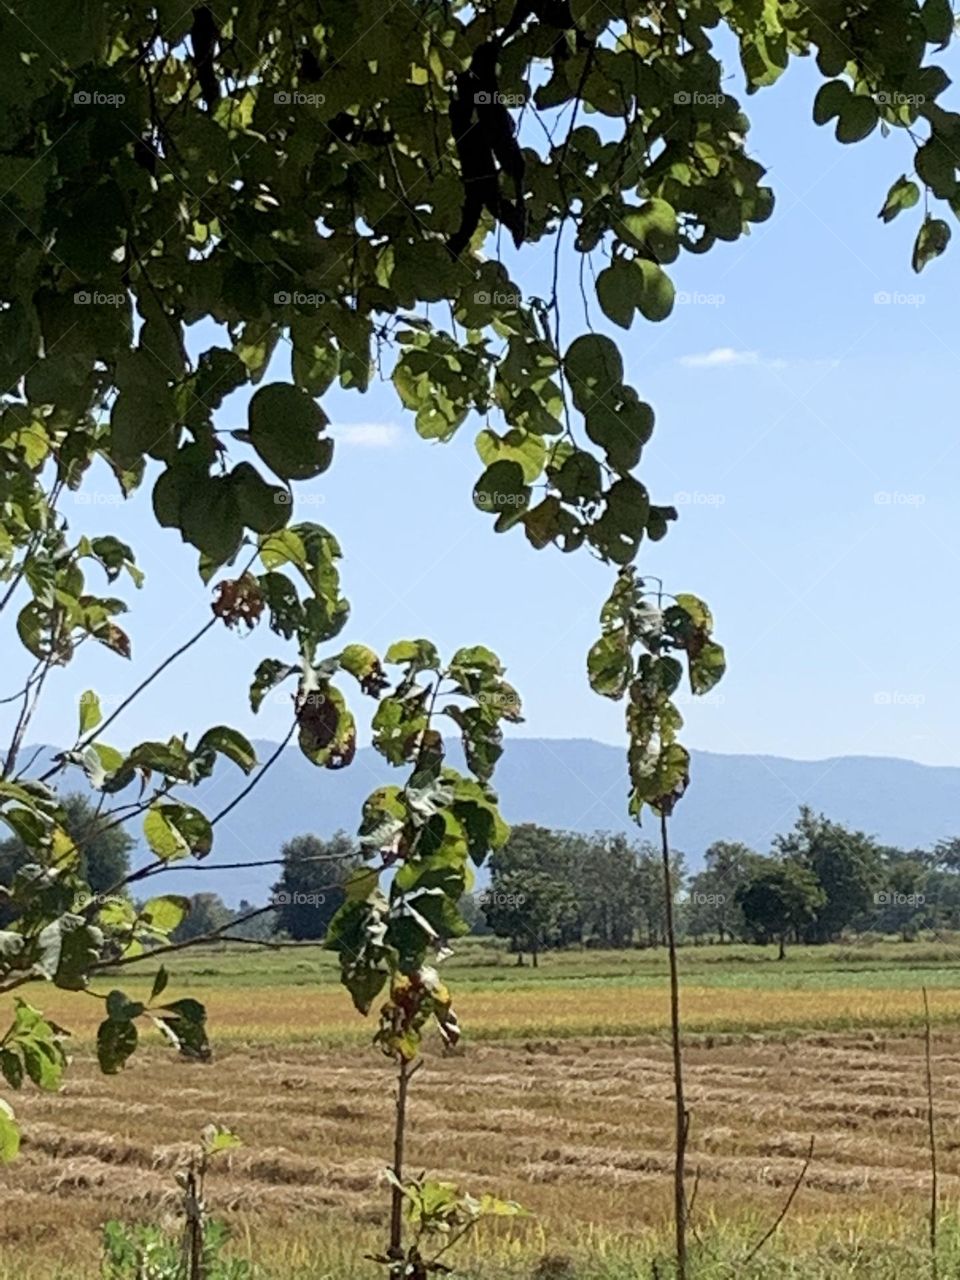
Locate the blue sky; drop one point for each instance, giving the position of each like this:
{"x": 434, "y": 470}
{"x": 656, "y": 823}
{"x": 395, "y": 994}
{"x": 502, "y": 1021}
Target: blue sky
{"x": 803, "y": 428}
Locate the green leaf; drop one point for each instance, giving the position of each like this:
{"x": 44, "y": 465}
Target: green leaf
{"x": 637, "y": 285}
{"x": 165, "y": 913}
{"x": 609, "y": 666}
{"x": 655, "y": 300}
{"x": 616, "y": 292}
{"x": 11, "y": 1068}
{"x": 287, "y": 547}
{"x": 116, "y": 1041}
{"x": 707, "y": 668}
{"x": 162, "y": 835}
{"x": 285, "y": 426}
{"x": 621, "y": 424}
{"x": 230, "y": 743}
{"x": 120, "y": 1008}
{"x": 90, "y": 713}
{"x": 364, "y": 665}
{"x": 904, "y": 194}
{"x": 652, "y": 228}
{"x": 580, "y": 478}
{"x": 263, "y": 507}
{"x": 217, "y": 1139}
{"x": 501, "y": 490}
{"x": 830, "y": 100}
{"x": 327, "y": 729}
{"x": 184, "y": 1024}
{"x": 159, "y": 984}
{"x": 44, "y": 1062}
{"x": 9, "y": 1134}
{"x": 525, "y": 448}
{"x": 936, "y": 166}
{"x": 268, "y": 675}
{"x": 858, "y": 118}
{"x": 361, "y": 883}
{"x": 594, "y": 368}
{"x": 588, "y": 17}
{"x": 938, "y": 21}
{"x": 421, "y": 654}
{"x": 209, "y": 516}
{"x": 931, "y": 242}
{"x": 477, "y": 658}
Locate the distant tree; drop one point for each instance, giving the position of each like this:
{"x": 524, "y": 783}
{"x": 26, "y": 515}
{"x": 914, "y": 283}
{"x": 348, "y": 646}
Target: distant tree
{"x": 260, "y": 928}
{"x": 104, "y": 850}
{"x": 946, "y": 854}
{"x": 652, "y": 903}
{"x": 607, "y": 888}
{"x": 208, "y": 912}
{"x": 541, "y": 865}
{"x": 779, "y": 899}
{"x": 472, "y": 911}
{"x": 902, "y": 904}
{"x": 847, "y": 865}
{"x": 941, "y": 890}
{"x": 530, "y": 908}
{"x": 309, "y": 891}
{"x": 729, "y": 864}
{"x": 536, "y": 848}
{"x": 705, "y": 912}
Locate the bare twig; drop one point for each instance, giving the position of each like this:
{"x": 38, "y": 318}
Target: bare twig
{"x": 241, "y": 795}
{"x": 104, "y": 724}
{"x": 31, "y": 696}
{"x": 405, "y": 1073}
{"x": 216, "y": 935}
{"x": 682, "y": 1118}
{"x": 931, "y": 1129}
{"x": 786, "y": 1208}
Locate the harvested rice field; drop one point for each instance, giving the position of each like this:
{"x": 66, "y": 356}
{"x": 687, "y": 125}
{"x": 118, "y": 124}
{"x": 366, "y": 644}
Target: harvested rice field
{"x": 560, "y": 1099}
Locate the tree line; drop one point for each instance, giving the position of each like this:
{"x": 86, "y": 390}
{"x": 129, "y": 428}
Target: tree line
{"x": 819, "y": 882}
{"x": 553, "y": 889}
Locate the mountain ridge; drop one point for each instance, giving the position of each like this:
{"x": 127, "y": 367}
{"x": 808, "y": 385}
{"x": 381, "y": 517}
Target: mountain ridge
{"x": 578, "y": 784}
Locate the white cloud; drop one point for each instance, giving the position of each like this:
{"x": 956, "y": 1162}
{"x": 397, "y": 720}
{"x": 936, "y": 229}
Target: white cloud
{"x": 722, "y": 356}
{"x": 367, "y": 435}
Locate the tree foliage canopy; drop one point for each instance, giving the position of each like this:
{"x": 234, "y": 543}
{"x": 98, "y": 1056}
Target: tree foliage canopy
{"x": 189, "y": 191}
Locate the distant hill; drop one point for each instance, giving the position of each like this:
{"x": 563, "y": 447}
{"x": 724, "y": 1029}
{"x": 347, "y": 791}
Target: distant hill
{"x": 581, "y": 785}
